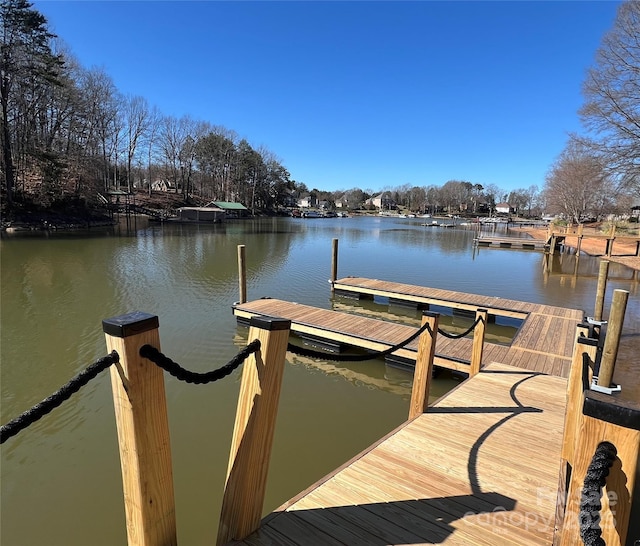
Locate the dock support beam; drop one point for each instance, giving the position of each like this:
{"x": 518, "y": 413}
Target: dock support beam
{"x": 424, "y": 365}
{"x": 143, "y": 431}
{"x": 253, "y": 431}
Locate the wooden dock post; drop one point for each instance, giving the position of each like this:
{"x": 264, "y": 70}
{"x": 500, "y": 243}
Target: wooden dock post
{"x": 573, "y": 416}
{"x": 612, "y": 236}
{"x": 424, "y": 365}
{"x": 580, "y": 230}
{"x": 603, "y": 274}
{"x": 334, "y": 262}
{"x": 612, "y": 339}
{"x": 552, "y": 243}
{"x": 143, "y": 431}
{"x": 583, "y": 344}
{"x": 482, "y": 316}
{"x": 242, "y": 274}
{"x": 253, "y": 431}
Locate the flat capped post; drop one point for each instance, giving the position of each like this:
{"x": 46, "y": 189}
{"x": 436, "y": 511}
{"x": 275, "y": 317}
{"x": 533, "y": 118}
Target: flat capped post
{"x": 143, "y": 431}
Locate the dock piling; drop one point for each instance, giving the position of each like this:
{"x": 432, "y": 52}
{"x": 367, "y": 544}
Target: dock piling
{"x": 612, "y": 339}
{"x": 143, "y": 431}
{"x": 603, "y": 274}
{"x": 254, "y": 429}
{"x": 242, "y": 274}
{"x": 334, "y": 262}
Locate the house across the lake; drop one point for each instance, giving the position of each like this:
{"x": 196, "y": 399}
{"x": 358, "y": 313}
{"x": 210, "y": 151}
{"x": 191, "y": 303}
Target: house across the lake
{"x": 504, "y": 208}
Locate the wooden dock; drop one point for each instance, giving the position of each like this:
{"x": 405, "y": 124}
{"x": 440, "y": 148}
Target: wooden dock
{"x": 511, "y": 242}
{"x": 544, "y": 342}
{"x": 492, "y": 482}
{"x": 500, "y": 459}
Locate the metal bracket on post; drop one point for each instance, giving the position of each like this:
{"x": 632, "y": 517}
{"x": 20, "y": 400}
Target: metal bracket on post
{"x": 594, "y": 322}
{"x": 605, "y": 390}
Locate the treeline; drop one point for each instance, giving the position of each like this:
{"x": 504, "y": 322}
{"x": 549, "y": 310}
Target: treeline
{"x": 67, "y": 131}
{"x": 454, "y": 196}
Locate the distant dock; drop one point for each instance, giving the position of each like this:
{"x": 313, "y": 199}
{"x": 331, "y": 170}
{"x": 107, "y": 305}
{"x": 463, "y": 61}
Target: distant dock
{"x": 511, "y": 242}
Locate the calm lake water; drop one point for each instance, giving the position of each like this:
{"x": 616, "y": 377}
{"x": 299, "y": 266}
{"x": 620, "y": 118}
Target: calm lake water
{"x": 60, "y": 478}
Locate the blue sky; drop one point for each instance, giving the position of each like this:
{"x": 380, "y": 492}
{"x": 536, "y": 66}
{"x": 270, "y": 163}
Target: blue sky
{"x": 358, "y": 94}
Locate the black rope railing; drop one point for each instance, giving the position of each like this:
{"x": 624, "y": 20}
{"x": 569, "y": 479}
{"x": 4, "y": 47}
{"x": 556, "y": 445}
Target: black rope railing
{"x": 463, "y": 334}
{"x": 41, "y": 409}
{"x": 590, "y": 503}
{"x": 302, "y": 351}
{"x": 177, "y": 371}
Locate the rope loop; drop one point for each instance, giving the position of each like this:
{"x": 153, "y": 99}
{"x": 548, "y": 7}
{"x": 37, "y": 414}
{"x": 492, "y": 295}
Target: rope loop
{"x": 177, "y": 371}
{"x": 463, "y": 334}
{"x": 590, "y": 504}
{"x": 301, "y": 351}
{"x": 41, "y": 409}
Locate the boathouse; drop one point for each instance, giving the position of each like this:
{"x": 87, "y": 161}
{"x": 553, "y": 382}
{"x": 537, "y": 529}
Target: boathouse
{"x": 206, "y": 214}
{"x": 231, "y": 208}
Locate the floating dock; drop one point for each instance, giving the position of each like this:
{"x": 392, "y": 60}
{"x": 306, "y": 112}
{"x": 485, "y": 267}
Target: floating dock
{"x": 511, "y": 242}
{"x": 543, "y": 343}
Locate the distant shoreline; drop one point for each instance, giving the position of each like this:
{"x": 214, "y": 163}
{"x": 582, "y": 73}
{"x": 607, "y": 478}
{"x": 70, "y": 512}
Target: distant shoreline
{"x": 595, "y": 247}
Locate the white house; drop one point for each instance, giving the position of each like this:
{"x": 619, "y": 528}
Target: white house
{"x": 307, "y": 202}
{"x": 504, "y": 208}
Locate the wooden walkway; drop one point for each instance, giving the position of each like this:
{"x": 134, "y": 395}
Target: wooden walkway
{"x": 544, "y": 342}
{"x": 492, "y": 482}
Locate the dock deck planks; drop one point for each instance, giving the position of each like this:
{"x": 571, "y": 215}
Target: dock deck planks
{"x": 493, "y": 482}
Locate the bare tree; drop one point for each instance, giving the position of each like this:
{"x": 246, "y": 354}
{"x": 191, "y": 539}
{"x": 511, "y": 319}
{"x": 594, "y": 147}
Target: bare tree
{"x": 155, "y": 119}
{"x": 578, "y": 184}
{"x": 137, "y": 123}
{"x": 611, "y": 112}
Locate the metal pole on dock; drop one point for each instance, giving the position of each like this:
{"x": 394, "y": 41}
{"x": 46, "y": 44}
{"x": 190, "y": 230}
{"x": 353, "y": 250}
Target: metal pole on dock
{"x": 253, "y": 431}
{"x": 143, "y": 431}
{"x": 424, "y": 365}
{"x": 603, "y": 273}
{"x": 334, "y": 262}
{"x": 242, "y": 274}
{"x": 612, "y": 340}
